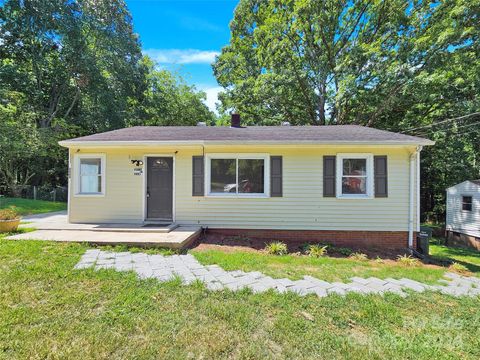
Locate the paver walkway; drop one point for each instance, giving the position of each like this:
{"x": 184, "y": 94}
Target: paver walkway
{"x": 188, "y": 269}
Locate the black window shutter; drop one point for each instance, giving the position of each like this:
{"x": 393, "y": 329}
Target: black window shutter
{"x": 198, "y": 176}
{"x": 329, "y": 181}
{"x": 381, "y": 176}
{"x": 276, "y": 175}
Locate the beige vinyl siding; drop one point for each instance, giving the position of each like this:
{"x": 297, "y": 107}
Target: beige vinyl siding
{"x": 122, "y": 202}
{"x": 301, "y": 207}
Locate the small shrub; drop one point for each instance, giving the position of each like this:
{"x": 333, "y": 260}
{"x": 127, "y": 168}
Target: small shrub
{"x": 358, "y": 256}
{"x": 276, "y": 248}
{"x": 8, "y": 214}
{"x": 456, "y": 267}
{"x": 407, "y": 260}
{"x": 316, "y": 250}
{"x": 344, "y": 251}
{"x": 379, "y": 260}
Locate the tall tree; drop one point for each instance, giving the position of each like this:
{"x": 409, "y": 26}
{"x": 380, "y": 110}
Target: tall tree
{"x": 77, "y": 60}
{"x": 330, "y": 61}
{"x": 167, "y": 100}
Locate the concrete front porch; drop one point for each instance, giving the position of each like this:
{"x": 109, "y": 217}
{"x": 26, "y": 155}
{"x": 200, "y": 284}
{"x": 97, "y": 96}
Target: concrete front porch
{"x": 55, "y": 227}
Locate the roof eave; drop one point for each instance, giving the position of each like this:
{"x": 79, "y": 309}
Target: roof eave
{"x": 114, "y": 143}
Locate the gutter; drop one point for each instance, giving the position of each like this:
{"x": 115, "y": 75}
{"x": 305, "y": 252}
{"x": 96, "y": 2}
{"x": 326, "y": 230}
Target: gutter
{"x": 414, "y": 185}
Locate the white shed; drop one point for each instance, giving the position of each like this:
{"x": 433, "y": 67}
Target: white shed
{"x": 463, "y": 214}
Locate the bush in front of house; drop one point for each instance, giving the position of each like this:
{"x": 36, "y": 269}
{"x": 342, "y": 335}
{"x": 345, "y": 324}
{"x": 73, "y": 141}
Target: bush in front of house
{"x": 407, "y": 260}
{"x": 317, "y": 250}
{"x": 358, "y": 256}
{"x": 9, "y": 214}
{"x": 458, "y": 268}
{"x": 344, "y": 251}
{"x": 276, "y": 248}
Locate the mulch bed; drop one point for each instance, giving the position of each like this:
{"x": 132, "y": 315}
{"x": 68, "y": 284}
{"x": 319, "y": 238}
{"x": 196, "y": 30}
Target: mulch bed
{"x": 235, "y": 243}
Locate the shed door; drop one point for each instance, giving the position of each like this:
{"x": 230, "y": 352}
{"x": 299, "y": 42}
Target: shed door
{"x": 159, "y": 188}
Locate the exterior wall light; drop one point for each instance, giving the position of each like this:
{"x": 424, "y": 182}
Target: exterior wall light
{"x": 137, "y": 162}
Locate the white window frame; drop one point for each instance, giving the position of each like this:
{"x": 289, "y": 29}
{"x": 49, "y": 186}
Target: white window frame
{"x": 369, "y": 179}
{"x": 247, "y": 156}
{"x": 77, "y": 173}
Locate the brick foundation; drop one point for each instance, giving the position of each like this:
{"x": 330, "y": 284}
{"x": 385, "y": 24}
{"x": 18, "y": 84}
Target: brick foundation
{"x": 382, "y": 240}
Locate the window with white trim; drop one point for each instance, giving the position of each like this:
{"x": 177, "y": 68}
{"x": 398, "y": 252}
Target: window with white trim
{"x": 355, "y": 175}
{"x": 91, "y": 174}
{"x": 237, "y": 175}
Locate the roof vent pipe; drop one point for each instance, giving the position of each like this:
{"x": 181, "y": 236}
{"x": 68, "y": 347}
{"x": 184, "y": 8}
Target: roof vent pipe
{"x": 235, "y": 122}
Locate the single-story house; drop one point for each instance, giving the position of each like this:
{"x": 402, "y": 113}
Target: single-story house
{"x": 463, "y": 214}
{"x": 344, "y": 184}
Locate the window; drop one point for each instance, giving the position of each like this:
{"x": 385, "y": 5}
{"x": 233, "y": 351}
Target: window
{"x": 241, "y": 175}
{"x": 467, "y": 203}
{"x": 91, "y": 174}
{"x": 355, "y": 175}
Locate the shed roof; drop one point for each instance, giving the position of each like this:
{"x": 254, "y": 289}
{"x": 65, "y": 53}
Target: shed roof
{"x": 253, "y": 134}
{"x": 475, "y": 182}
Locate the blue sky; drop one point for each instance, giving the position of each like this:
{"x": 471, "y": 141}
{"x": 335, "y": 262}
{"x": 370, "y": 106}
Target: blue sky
{"x": 184, "y": 36}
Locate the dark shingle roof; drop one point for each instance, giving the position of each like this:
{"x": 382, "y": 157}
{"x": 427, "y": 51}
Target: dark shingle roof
{"x": 267, "y": 134}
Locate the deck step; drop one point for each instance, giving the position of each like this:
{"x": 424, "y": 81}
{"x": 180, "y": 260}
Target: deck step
{"x": 120, "y": 228}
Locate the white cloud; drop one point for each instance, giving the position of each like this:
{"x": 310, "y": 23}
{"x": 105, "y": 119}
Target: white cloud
{"x": 182, "y": 56}
{"x": 212, "y": 96}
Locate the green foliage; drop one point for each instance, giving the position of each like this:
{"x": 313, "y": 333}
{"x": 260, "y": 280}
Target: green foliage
{"x": 407, "y": 260}
{"x": 358, "y": 256}
{"x": 344, "y": 251}
{"x": 276, "y": 248}
{"x": 316, "y": 250}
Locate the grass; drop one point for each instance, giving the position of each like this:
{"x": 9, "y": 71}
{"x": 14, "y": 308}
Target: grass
{"x": 29, "y": 207}
{"x": 49, "y": 310}
{"x": 467, "y": 257}
{"x": 325, "y": 268}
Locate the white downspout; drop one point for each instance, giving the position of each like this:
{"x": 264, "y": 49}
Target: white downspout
{"x": 69, "y": 186}
{"x": 413, "y": 186}
{"x": 419, "y": 149}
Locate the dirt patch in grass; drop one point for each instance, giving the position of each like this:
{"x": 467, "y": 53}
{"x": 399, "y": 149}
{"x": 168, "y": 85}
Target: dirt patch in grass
{"x": 224, "y": 248}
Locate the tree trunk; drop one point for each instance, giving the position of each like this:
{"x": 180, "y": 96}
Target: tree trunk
{"x": 321, "y": 105}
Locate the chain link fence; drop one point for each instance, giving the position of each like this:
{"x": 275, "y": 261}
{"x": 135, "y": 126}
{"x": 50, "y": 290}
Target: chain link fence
{"x": 40, "y": 192}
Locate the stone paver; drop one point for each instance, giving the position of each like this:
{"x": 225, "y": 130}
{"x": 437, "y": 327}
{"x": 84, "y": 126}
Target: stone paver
{"x": 189, "y": 270}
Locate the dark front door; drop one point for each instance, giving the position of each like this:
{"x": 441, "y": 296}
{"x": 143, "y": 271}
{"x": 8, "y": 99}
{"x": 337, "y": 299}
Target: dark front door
{"x": 159, "y": 188}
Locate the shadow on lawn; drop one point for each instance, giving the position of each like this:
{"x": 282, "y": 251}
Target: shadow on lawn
{"x": 458, "y": 255}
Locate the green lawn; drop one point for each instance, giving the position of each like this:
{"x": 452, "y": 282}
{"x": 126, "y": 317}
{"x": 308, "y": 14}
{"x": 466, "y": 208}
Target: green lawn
{"x": 338, "y": 269}
{"x": 467, "y": 257}
{"x": 49, "y": 310}
{"x": 325, "y": 268}
{"x": 29, "y": 207}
